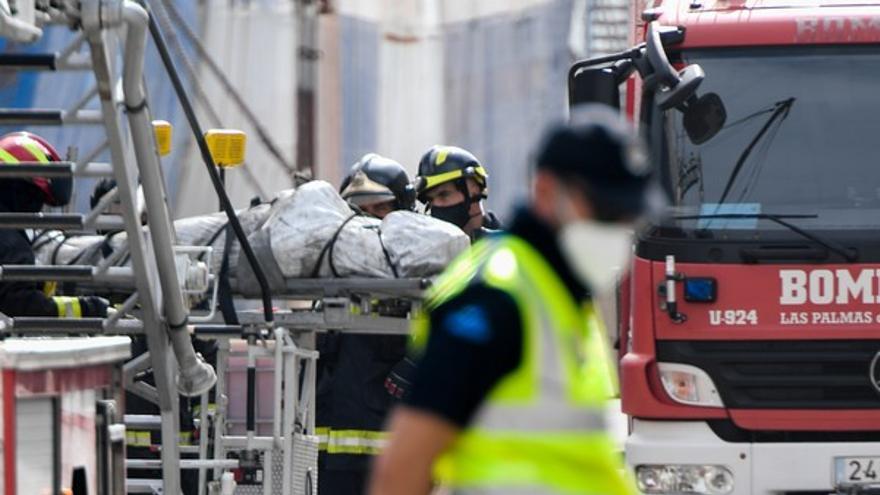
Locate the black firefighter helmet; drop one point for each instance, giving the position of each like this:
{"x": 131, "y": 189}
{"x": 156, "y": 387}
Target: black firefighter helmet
{"x": 375, "y": 179}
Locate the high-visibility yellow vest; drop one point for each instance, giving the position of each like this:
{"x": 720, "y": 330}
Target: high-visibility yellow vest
{"x": 541, "y": 429}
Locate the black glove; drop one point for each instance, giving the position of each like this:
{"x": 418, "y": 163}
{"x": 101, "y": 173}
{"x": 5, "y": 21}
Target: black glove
{"x": 93, "y": 306}
{"x": 400, "y": 378}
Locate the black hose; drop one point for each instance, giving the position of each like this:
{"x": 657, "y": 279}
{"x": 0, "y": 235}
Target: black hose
{"x": 250, "y": 419}
{"x": 190, "y": 113}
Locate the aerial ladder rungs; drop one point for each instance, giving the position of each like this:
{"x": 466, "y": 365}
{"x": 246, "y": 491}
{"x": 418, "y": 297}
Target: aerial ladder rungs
{"x": 114, "y": 275}
{"x": 63, "y": 170}
{"x": 29, "y": 61}
{"x": 143, "y": 421}
{"x": 56, "y": 325}
{"x": 44, "y": 325}
{"x": 24, "y": 117}
{"x": 26, "y": 170}
{"x": 59, "y": 221}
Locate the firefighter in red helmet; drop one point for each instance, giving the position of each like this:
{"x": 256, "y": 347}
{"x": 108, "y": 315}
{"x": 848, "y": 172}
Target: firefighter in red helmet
{"x": 29, "y": 196}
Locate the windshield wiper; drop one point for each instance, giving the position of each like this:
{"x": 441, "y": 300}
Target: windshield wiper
{"x": 781, "y": 109}
{"x": 828, "y": 244}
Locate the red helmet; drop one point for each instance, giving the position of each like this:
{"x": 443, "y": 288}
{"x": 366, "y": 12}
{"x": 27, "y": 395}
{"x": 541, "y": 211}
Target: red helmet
{"x": 23, "y": 146}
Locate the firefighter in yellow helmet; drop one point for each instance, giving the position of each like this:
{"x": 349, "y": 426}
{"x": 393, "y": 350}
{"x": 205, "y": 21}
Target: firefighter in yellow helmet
{"x": 453, "y": 184}
{"x": 512, "y": 371}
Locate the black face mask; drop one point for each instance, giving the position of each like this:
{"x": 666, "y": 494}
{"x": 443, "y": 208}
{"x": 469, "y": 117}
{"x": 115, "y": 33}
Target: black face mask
{"x": 458, "y": 214}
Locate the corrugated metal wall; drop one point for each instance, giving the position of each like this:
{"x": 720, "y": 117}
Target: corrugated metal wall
{"x": 505, "y": 79}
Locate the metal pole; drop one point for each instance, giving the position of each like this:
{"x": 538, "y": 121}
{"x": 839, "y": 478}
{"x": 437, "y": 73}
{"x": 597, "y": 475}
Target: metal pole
{"x": 203, "y": 441}
{"x": 220, "y": 401}
{"x": 251, "y": 390}
{"x": 291, "y": 400}
{"x": 196, "y": 376}
{"x": 279, "y": 380}
{"x": 307, "y": 77}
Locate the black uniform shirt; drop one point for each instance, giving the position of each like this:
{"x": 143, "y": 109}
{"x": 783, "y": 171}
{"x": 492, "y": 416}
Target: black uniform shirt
{"x": 21, "y": 298}
{"x": 476, "y": 336}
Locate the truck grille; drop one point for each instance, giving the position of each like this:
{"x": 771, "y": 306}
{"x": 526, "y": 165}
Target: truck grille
{"x": 826, "y": 374}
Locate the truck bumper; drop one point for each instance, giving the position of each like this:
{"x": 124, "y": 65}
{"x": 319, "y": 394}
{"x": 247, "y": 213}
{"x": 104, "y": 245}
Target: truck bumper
{"x": 758, "y": 468}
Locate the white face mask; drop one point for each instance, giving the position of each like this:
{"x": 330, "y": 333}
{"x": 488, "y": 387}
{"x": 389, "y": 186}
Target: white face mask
{"x": 597, "y": 252}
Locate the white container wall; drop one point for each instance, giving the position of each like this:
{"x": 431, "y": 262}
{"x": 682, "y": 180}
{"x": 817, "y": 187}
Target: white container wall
{"x": 398, "y": 76}
{"x": 255, "y": 44}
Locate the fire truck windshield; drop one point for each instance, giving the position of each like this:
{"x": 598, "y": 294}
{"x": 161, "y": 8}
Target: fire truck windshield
{"x": 821, "y": 156}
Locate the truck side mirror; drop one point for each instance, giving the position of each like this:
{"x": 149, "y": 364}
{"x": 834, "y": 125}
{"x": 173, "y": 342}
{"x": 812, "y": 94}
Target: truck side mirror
{"x": 594, "y": 85}
{"x": 673, "y": 88}
{"x": 704, "y": 117}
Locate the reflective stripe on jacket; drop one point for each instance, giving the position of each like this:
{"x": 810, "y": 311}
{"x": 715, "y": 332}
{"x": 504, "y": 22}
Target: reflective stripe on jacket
{"x": 351, "y": 441}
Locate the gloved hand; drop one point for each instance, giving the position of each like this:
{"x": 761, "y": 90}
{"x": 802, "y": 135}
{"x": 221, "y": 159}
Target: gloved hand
{"x": 93, "y": 306}
{"x": 400, "y": 378}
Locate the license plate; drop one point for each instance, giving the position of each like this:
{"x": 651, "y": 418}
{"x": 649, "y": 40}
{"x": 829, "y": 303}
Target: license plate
{"x": 856, "y": 471}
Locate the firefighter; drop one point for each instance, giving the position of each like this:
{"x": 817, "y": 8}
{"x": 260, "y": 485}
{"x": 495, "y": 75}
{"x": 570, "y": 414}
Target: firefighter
{"x": 351, "y": 398}
{"x": 378, "y": 186}
{"x": 512, "y": 370}
{"x": 453, "y": 185}
{"x": 29, "y": 196}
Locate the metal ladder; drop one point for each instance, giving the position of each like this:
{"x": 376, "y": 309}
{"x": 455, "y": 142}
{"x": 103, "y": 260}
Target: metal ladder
{"x": 105, "y": 27}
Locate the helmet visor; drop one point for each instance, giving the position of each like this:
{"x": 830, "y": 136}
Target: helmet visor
{"x": 363, "y": 191}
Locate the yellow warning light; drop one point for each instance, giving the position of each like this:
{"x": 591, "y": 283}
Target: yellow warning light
{"x": 227, "y": 146}
{"x": 164, "y": 131}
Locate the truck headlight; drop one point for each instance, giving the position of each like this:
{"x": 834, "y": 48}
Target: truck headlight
{"x": 689, "y": 385}
{"x": 706, "y": 479}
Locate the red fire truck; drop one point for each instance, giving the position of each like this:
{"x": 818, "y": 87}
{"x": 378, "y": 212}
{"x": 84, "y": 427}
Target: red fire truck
{"x": 750, "y": 328}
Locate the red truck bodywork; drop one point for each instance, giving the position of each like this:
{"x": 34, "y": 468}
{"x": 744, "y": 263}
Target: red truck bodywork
{"x": 854, "y": 316}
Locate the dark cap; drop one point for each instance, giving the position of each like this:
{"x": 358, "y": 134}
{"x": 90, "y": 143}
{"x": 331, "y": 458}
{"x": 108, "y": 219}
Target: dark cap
{"x": 600, "y": 152}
